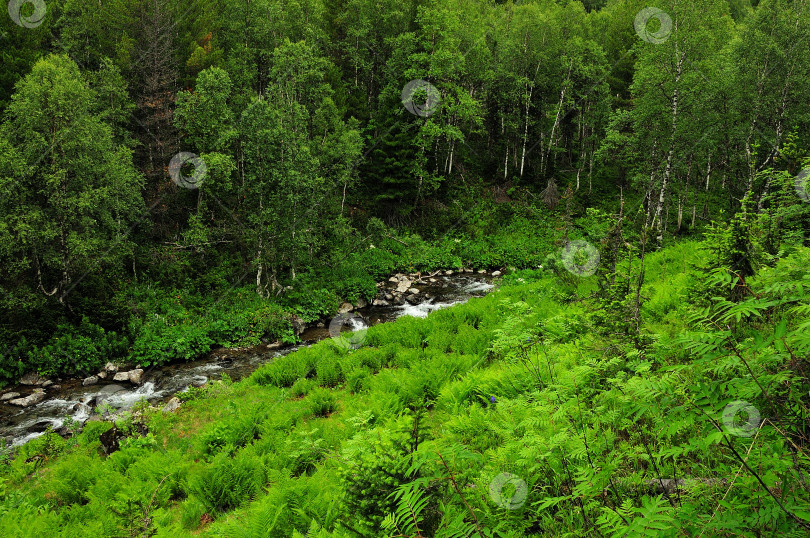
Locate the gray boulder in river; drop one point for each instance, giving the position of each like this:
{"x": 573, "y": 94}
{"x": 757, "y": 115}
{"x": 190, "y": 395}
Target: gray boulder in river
{"x": 34, "y": 398}
{"x": 105, "y": 393}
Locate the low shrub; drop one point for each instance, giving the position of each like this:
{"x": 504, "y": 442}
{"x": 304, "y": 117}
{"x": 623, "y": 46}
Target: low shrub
{"x": 302, "y": 387}
{"x": 73, "y": 350}
{"x": 73, "y": 477}
{"x": 375, "y": 467}
{"x": 322, "y": 402}
{"x": 329, "y": 372}
{"x": 192, "y": 513}
{"x": 358, "y": 380}
{"x": 283, "y": 372}
{"x": 233, "y": 431}
{"x": 304, "y": 450}
{"x": 226, "y": 483}
{"x": 180, "y": 331}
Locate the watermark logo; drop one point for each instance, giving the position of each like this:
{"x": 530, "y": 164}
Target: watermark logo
{"x": 421, "y": 91}
{"x": 580, "y": 258}
{"x": 802, "y": 184}
{"x": 741, "y": 418}
{"x": 642, "y": 24}
{"x": 345, "y": 339}
{"x": 27, "y": 17}
{"x": 176, "y": 170}
{"x": 508, "y": 491}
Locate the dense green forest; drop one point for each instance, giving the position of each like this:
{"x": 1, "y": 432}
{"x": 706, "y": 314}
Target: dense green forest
{"x": 179, "y": 176}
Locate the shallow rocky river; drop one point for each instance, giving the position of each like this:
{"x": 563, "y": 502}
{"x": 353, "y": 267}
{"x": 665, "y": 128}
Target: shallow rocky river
{"x": 402, "y": 295}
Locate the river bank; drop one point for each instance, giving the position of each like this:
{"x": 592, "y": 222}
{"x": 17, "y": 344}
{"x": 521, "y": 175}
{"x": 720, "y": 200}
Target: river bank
{"x": 62, "y": 404}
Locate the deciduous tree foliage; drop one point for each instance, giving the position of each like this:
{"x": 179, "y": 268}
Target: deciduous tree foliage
{"x": 70, "y": 192}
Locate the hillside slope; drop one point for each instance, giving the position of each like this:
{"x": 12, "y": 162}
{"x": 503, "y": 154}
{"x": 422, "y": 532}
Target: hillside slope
{"x": 547, "y": 407}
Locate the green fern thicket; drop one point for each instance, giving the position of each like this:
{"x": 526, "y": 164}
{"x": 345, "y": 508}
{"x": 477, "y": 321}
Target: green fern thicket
{"x": 557, "y": 405}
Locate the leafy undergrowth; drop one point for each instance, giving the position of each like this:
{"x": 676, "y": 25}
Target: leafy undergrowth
{"x": 521, "y": 413}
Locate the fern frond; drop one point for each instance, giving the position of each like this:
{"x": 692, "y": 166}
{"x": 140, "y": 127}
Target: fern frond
{"x": 411, "y": 502}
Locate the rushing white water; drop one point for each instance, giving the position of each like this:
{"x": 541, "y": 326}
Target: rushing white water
{"x": 422, "y": 310}
{"x": 35, "y": 425}
{"x": 478, "y": 287}
{"x": 356, "y": 324}
{"x": 124, "y": 399}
